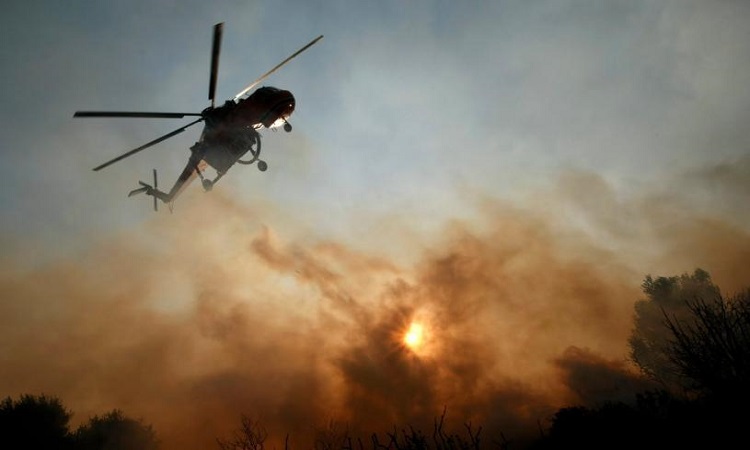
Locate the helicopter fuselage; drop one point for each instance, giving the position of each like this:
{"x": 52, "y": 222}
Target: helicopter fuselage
{"x": 231, "y": 129}
{"x": 267, "y": 106}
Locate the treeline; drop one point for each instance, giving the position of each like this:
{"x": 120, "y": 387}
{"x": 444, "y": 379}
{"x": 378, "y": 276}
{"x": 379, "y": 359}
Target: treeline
{"x": 688, "y": 337}
{"x": 42, "y": 422}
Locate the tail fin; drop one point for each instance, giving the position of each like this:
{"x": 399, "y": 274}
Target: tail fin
{"x": 145, "y": 188}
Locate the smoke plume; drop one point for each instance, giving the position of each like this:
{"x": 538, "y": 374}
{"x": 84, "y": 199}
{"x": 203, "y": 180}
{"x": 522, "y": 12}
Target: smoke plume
{"x": 204, "y": 315}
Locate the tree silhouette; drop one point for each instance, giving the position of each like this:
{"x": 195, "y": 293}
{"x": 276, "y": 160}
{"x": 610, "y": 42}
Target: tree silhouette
{"x": 333, "y": 435}
{"x": 115, "y": 431}
{"x": 34, "y": 422}
{"x": 251, "y": 436}
{"x": 686, "y": 336}
{"x": 651, "y": 337}
{"x": 713, "y": 350}
{"x": 41, "y": 422}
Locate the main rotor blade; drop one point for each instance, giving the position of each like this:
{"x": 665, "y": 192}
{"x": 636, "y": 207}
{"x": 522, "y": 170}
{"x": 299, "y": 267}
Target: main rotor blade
{"x": 263, "y": 77}
{"x": 163, "y": 115}
{"x": 215, "y": 50}
{"x": 145, "y": 146}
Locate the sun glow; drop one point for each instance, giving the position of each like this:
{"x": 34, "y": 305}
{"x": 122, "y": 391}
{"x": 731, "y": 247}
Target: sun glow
{"x": 414, "y": 337}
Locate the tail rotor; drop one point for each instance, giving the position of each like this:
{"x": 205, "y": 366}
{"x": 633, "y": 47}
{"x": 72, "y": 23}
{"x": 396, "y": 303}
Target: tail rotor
{"x": 149, "y": 190}
{"x": 156, "y": 186}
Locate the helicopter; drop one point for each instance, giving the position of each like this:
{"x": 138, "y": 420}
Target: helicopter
{"x": 230, "y": 130}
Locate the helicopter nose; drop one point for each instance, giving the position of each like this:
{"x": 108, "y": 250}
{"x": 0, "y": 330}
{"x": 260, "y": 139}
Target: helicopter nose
{"x": 285, "y": 107}
{"x": 289, "y": 102}
{"x": 280, "y": 107}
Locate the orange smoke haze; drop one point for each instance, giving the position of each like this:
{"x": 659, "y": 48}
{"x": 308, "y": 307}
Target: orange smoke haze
{"x": 207, "y": 314}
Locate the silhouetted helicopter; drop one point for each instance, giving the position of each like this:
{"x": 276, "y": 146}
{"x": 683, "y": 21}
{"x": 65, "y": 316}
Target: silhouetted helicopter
{"x": 230, "y": 130}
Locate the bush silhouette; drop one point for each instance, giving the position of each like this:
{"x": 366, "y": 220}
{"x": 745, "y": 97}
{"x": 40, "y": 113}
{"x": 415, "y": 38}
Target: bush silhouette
{"x": 115, "y": 431}
{"x": 34, "y": 422}
{"x": 41, "y": 422}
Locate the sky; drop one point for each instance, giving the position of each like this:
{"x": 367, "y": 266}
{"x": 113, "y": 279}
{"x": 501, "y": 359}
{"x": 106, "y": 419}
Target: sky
{"x": 503, "y": 173}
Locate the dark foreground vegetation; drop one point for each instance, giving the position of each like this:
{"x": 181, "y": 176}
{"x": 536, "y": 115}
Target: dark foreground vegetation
{"x": 690, "y": 339}
{"x": 42, "y": 422}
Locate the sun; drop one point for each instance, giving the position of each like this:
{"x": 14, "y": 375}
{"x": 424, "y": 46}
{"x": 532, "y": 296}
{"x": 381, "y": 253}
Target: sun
{"x": 414, "y": 336}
